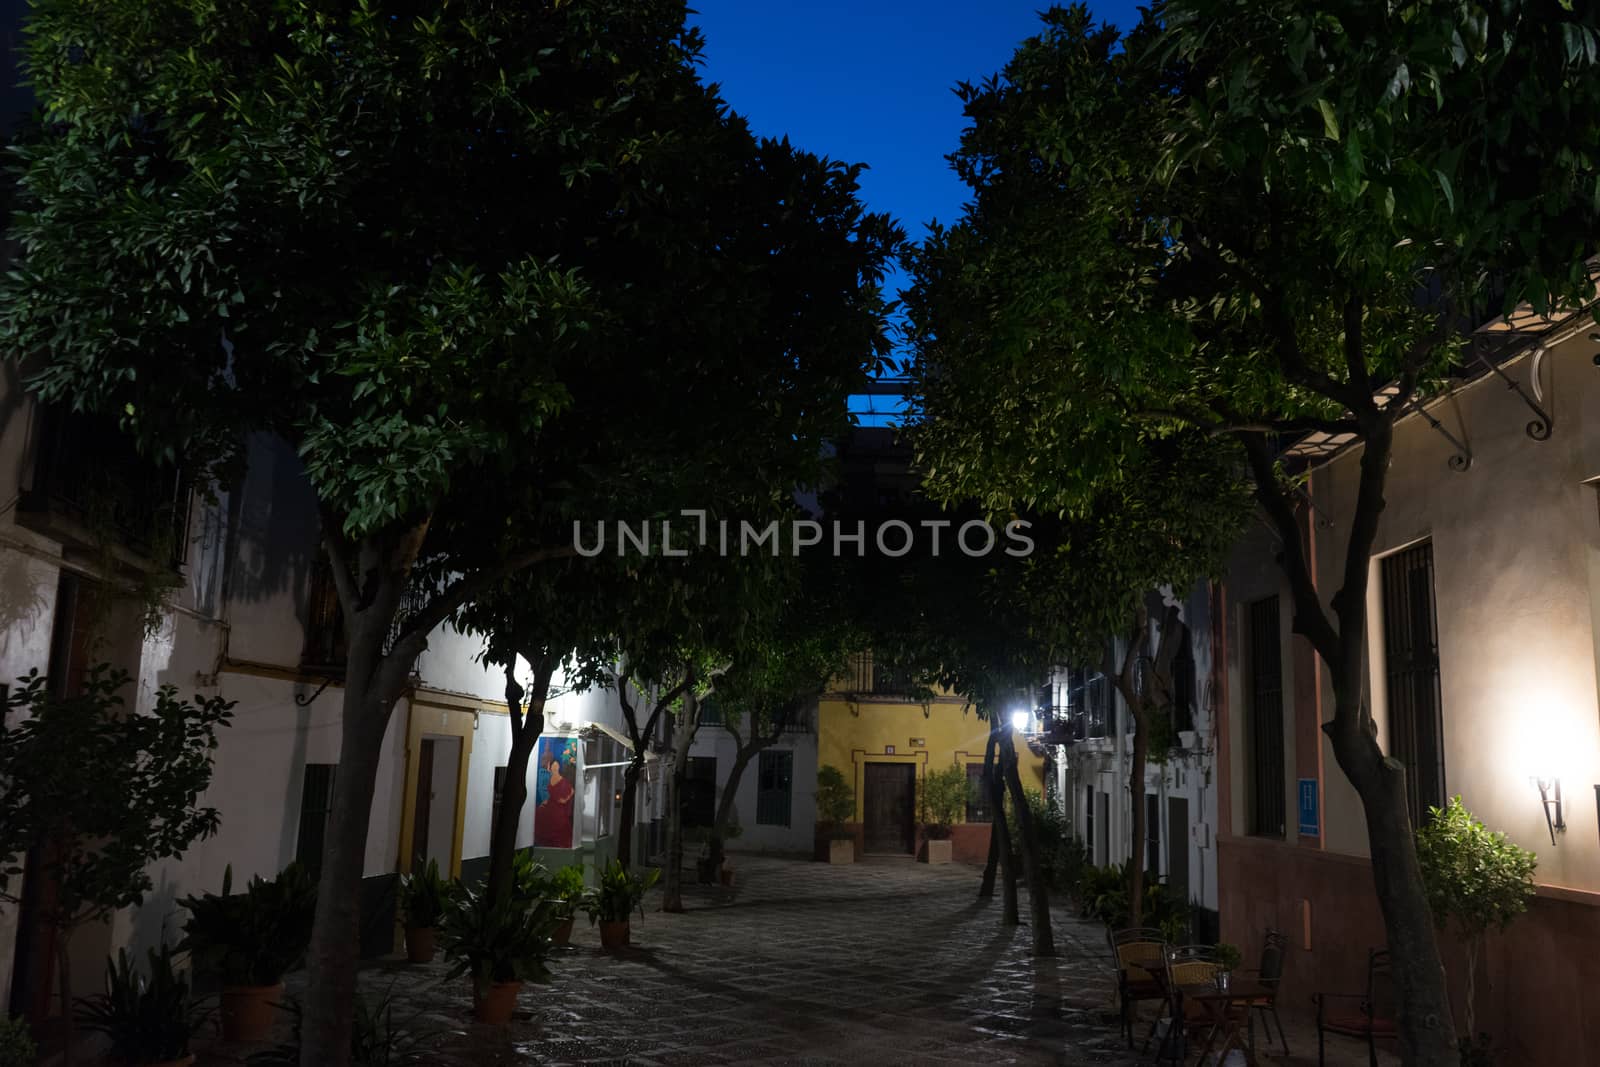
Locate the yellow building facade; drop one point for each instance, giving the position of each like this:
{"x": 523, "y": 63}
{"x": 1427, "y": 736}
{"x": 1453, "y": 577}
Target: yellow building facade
{"x": 885, "y": 744}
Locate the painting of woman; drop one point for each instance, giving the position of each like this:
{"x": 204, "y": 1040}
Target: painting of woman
{"x": 554, "y": 792}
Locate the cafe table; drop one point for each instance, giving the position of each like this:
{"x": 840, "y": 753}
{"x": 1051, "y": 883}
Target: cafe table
{"x": 1228, "y": 1011}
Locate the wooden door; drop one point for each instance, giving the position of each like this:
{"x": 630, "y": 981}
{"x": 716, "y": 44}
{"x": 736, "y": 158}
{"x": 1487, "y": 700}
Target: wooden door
{"x": 424, "y": 806}
{"x": 1178, "y": 846}
{"x": 889, "y": 797}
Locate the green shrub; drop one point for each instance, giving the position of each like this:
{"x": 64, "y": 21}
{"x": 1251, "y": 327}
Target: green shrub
{"x": 618, "y": 895}
{"x": 376, "y": 1040}
{"x": 148, "y": 1020}
{"x": 16, "y": 1044}
{"x": 252, "y": 938}
{"x": 836, "y": 800}
{"x": 423, "y": 896}
{"x": 1477, "y": 880}
{"x": 491, "y": 941}
{"x": 945, "y": 795}
{"x": 1062, "y": 857}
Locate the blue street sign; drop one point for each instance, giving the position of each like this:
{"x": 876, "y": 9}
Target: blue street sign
{"x": 1309, "y": 825}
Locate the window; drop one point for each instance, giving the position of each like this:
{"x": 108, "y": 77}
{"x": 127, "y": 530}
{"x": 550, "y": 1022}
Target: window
{"x": 603, "y": 756}
{"x": 325, "y": 632}
{"x": 978, "y": 807}
{"x": 1103, "y": 823}
{"x": 699, "y": 801}
{"x": 1411, "y": 675}
{"x": 1152, "y": 835}
{"x": 774, "y": 788}
{"x": 316, "y": 800}
{"x": 710, "y": 712}
{"x": 1183, "y": 687}
{"x": 1266, "y": 720}
{"x": 1088, "y": 704}
{"x": 1089, "y": 840}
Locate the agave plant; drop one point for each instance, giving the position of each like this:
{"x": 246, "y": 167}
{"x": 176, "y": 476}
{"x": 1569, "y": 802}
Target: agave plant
{"x": 148, "y": 1020}
{"x": 423, "y": 896}
{"x": 252, "y": 938}
{"x": 618, "y": 894}
{"x": 498, "y": 941}
{"x": 376, "y": 1040}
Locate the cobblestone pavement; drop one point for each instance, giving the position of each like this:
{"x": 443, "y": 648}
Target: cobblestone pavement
{"x": 883, "y": 962}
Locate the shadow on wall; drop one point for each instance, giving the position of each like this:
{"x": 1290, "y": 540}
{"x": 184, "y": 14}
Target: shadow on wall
{"x": 272, "y": 530}
{"x": 26, "y": 595}
{"x": 157, "y": 921}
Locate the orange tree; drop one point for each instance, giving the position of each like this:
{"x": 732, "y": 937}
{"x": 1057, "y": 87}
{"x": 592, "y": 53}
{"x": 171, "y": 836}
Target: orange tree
{"x": 486, "y": 266}
{"x": 1252, "y": 220}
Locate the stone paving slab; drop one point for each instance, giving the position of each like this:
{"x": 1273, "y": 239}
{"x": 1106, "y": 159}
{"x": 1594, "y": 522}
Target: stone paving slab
{"x": 884, "y": 962}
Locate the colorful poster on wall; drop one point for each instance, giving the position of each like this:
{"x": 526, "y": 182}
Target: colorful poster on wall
{"x": 553, "y": 792}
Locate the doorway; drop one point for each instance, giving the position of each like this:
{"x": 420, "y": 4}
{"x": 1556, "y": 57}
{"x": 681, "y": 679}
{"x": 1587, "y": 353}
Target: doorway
{"x": 890, "y": 801}
{"x": 433, "y": 817}
{"x": 1178, "y": 846}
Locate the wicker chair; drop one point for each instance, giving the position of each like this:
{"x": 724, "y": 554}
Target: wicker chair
{"x": 1368, "y": 1015}
{"x": 1140, "y": 955}
{"x": 1270, "y": 974}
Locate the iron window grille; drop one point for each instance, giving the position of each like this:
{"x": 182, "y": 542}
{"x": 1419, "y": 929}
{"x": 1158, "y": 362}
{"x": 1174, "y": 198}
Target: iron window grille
{"x": 1267, "y": 809}
{"x": 1411, "y": 674}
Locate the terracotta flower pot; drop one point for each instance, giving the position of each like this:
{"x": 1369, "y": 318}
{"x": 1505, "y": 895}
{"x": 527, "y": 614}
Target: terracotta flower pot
{"x": 420, "y": 943}
{"x": 613, "y": 935}
{"x": 495, "y": 1004}
{"x": 248, "y": 1011}
{"x": 562, "y": 934}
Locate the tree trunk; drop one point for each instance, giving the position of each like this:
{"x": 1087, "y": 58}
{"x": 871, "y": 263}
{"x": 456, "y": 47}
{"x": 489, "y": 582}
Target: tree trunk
{"x": 1474, "y": 945}
{"x": 1426, "y": 1029}
{"x": 526, "y": 726}
{"x": 1141, "y": 751}
{"x": 630, "y": 796}
{"x": 996, "y": 821}
{"x": 686, "y": 726}
{"x": 1044, "y": 943}
{"x": 374, "y": 681}
{"x": 64, "y": 982}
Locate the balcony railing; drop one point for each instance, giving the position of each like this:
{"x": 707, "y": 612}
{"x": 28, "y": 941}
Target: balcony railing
{"x": 867, "y": 678}
{"x": 91, "y": 491}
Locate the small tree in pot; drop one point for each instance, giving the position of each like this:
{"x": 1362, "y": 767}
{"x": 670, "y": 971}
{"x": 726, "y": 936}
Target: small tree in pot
{"x": 613, "y": 903}
{"x": 422, "y": 901}
{"x": 945, "y": 795}
{"x": 1478, "y": 880}
{"x": 566, "y": 889}
{"x": 836, "y": 806}
{"x": 500, "y": 944}
{"x": 148, "y": 1021}
{"x": 250, "y": 940}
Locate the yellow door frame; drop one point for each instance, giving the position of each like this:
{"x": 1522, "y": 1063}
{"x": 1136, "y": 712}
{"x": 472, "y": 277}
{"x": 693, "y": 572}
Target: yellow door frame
{"x": 861, "y": 757}
{"x": 431, "y": 719}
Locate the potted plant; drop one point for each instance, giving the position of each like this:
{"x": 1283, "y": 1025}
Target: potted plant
{"x": 611, "y": 905}
{"x": 16, "y": 1043}
{"x": 1228, "y": 960}
{"x": 836, "y": 806}
{"x": 422, "y": 900}
{"x": 566, "y": 889}
{"x": 250, "y": 940}
{"x": 944, "y": 803}
{"x": 499, "y": 944}
{"x": 148, "y": 1021}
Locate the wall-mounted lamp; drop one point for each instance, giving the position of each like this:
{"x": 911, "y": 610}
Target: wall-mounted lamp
{"x": 1550, "y": 799}
{"x": 1019, "y": 720}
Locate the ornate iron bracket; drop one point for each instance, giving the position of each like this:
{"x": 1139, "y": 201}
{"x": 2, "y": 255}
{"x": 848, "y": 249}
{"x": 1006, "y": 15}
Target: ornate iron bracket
{"x": 1462, "y": 460}
{"x": 305, "y": 702}
{"x": 1543, "y": 423}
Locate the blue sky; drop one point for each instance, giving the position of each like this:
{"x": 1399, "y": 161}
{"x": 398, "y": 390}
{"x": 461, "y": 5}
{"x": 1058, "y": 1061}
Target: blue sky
{"x": 869, "y": 81}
